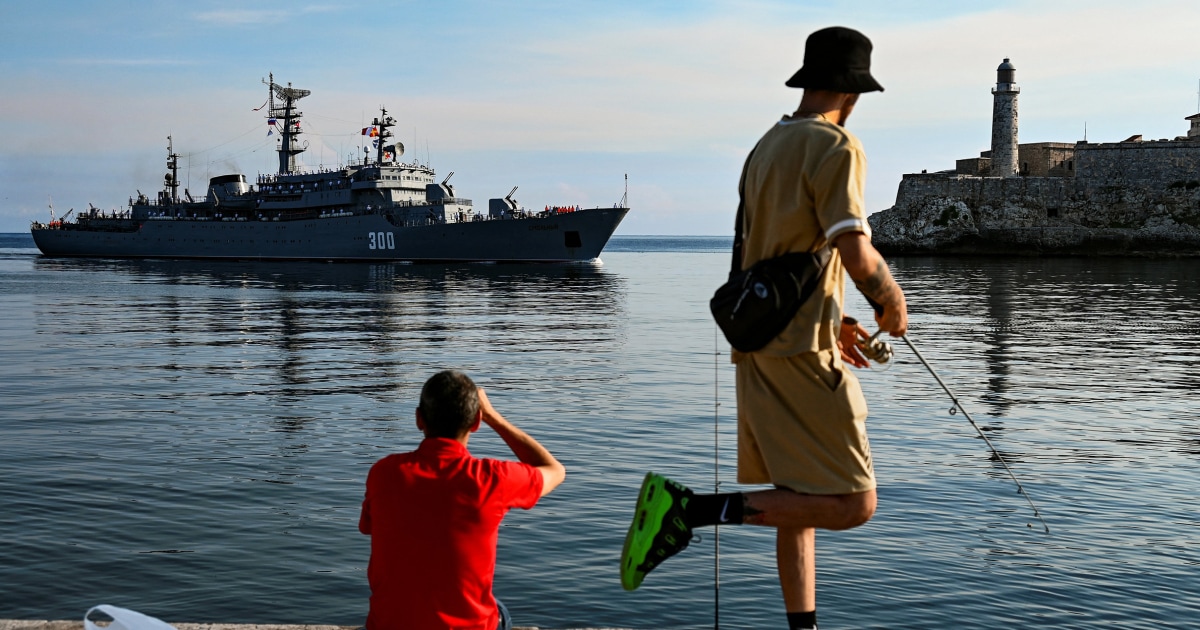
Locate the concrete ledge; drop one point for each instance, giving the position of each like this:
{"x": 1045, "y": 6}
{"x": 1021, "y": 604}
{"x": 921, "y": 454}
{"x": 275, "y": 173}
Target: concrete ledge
{"x": 37, "y": 624}
{"x": 40, "y": 624}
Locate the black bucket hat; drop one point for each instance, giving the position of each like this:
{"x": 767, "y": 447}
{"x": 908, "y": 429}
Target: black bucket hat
{"x": 837, "y": 59}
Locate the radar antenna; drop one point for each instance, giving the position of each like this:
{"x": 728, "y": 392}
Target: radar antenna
{"x": 289, "y": 92}
{"x": 286, "y": 113}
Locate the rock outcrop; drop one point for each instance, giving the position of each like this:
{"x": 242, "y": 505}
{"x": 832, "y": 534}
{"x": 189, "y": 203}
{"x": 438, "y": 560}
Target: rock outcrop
{"x": 946, "y": 213}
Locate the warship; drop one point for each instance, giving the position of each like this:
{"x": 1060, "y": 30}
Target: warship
{"x": 379, "y": 209}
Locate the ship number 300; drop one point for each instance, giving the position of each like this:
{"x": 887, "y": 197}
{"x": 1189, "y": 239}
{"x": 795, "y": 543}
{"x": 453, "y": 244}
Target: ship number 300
{"x": 381, "y": 240}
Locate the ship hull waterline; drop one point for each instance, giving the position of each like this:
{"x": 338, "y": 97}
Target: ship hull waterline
{"x": 570, "y": 237}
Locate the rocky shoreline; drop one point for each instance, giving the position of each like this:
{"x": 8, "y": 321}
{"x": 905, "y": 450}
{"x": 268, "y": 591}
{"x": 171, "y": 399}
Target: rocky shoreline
{"x": 949, "y": 214}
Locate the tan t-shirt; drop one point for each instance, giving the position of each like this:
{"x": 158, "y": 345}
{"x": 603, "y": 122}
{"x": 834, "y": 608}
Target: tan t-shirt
{"x": 803, "y": 186}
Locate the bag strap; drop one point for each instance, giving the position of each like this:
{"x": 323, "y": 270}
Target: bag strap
{"x": 823, "y": 255}
{"x": 736, "y": 264}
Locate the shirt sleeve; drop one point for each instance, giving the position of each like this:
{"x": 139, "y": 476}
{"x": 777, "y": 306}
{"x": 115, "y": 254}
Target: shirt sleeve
{"x": 838, "y": 191}
{"x": 522, "y": 484}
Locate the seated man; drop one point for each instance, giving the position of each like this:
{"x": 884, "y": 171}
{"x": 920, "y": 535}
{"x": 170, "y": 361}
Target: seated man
{"x": 434, "y": 514}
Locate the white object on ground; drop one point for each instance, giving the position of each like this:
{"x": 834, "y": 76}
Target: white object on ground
{"x": 124, "y": 619}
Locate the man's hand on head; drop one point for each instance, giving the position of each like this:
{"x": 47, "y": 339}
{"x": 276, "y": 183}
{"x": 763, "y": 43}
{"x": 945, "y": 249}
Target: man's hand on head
{"x": 490, "y": 415}
{"x": 527, "y": 449}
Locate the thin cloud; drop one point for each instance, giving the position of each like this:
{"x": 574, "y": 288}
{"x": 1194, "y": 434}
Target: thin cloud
{"x": 240, "y": 17}
{"x": 93, "y": 61}
{"x": 245, "y": 17}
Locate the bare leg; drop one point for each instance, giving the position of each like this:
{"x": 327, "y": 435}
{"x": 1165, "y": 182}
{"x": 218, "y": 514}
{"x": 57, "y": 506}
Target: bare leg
{"x": 795, "y": 555}
{"x": 795, "y": 517}
{"x": 786, "y": 509}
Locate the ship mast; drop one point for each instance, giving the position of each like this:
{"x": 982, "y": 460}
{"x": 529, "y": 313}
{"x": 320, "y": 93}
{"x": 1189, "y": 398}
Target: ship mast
{"x": 286, "y": 113}
{"x": 383, "y": 122}
{"x": 172, "y": 178}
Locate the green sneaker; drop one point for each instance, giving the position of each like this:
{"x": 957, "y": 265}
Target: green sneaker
{"x": 658, "y": 530}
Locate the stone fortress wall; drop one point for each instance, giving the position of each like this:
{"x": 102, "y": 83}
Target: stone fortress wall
{"x": 1134, "y": 197}
{"x": 1154, "y": 164}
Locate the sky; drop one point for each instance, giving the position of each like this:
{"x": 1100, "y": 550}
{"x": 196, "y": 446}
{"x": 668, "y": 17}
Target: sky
{"x": 562, "y": 99}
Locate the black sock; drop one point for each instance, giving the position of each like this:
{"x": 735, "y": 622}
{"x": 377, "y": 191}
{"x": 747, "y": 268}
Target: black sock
{"x": 802, "y": 620}
{"x": 715, "y": 509}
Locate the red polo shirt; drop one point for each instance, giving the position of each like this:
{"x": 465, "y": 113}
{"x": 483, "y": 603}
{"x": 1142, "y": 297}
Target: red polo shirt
{"x": 433, "y": 516}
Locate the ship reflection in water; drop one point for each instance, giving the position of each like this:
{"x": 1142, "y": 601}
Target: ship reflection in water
{"x": 346, "y": 328}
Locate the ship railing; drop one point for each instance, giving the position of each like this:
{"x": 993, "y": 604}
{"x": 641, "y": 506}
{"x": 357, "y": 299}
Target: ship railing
{"x": 419, "y": 222}
{"x": 297, "y": 188}
{"x": 409, "y": 203}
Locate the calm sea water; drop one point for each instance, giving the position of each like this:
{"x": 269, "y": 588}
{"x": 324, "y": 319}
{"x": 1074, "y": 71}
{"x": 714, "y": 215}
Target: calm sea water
{"x": 190, "y": 439}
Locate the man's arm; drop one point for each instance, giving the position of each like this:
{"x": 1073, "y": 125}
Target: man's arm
{"x": 527, "y": 449}
{"x": 364, "y": 516}
{"x": 870, "y": 273}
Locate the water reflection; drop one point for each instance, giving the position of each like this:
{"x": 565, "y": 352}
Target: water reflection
{"x": 999, "y": 308}
{"x": 328, "y": 329}
{"x": 232, "y": 409}
{"x": 1086, "y": 338}
{"x": 315, "y": 276}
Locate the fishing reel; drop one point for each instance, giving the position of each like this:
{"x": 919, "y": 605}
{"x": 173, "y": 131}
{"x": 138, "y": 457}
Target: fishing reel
{"x": 876, "y": 349}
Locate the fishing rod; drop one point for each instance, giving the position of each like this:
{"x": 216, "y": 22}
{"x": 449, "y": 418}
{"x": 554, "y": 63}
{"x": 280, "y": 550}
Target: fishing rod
{"x": 881, "y": 352}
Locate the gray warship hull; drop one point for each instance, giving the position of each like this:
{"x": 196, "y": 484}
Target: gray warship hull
{"x": 575, "y": 236}
{"x": 379, "y": 209}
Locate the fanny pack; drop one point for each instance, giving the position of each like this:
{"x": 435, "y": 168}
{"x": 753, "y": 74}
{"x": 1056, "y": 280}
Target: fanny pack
{"x": 756, "y": 304}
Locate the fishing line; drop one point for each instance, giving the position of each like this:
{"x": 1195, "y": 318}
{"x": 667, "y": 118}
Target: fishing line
{"x": 874, "y": 341}
{"x": 716, "y": 483}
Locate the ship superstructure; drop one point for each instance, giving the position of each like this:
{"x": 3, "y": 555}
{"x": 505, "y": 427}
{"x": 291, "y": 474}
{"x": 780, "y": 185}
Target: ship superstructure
{"x": 378, "y": 209}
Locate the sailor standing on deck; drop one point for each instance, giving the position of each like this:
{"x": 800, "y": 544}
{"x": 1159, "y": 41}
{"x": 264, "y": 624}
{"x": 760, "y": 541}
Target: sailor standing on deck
{"x": 801, "y": 413}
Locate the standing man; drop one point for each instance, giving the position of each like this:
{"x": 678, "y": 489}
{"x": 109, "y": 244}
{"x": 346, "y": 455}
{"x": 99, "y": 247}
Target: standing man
{"x": 801, "y": 413}
{"x": 434, "y": 514}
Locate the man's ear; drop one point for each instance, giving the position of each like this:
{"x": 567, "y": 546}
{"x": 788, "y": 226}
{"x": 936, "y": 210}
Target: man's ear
{"x": 478, "y": 421}
{"x": 420, "y": 420}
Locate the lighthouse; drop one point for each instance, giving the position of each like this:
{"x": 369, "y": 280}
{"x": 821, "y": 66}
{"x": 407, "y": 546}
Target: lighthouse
{"x": 1004, "y": 122}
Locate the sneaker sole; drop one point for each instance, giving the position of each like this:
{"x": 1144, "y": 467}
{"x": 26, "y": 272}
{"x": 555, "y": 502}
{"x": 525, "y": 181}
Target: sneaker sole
{"x": 652, "y": 506}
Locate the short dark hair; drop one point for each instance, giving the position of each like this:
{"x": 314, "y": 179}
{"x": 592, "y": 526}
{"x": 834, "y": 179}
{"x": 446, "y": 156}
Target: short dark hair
{"x": 449, "y": 404}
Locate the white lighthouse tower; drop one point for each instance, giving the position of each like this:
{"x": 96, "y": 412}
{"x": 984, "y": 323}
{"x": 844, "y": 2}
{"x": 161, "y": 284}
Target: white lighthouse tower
{"x": 1004, "y": 122}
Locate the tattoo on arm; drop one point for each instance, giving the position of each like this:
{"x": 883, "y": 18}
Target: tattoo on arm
{"x": 879, "y": 285}
{"x": 752, "y": 516}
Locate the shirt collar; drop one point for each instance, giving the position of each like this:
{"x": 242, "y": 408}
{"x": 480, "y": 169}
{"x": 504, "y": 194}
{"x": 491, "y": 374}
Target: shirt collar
{"x": 443, "y": 447}
{"x": 789, "y": 119}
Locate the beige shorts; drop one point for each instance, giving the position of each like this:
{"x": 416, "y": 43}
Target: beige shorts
{"x": 802, "y": 424}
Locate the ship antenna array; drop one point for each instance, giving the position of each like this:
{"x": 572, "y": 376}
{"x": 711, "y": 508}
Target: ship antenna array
{"x": 625, "y": 197}
{"x": 288, "y": 148}
{"x": 384, "y": 123}
{"x": 172, "y": 178}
